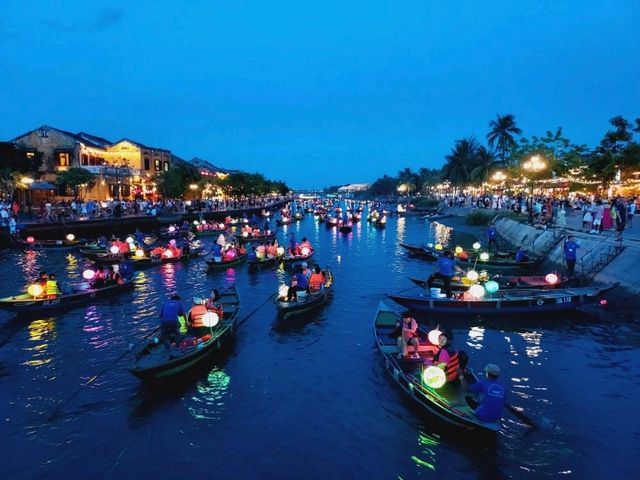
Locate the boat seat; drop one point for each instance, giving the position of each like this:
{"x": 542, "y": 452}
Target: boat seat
{"x": 394, "y": 349}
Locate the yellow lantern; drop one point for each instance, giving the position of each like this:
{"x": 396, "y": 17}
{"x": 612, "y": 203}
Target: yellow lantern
{"x": 35, "y": 290}
{"x": 459, "y": 250}
{"x": 434, "y": 377}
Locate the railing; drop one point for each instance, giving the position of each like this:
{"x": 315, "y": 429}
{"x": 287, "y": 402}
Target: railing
{"x": 111, "y": 170}
{"x": 597, "y": 258}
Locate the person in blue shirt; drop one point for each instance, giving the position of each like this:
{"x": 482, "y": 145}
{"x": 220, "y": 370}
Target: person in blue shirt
{"x": 169, "y": 323}
{"x": 570, "y": 254}
{"x": 299, "y": 283}
{"x": 293, "y": 244}
{"x": 492, "y": 236}
{"x": 216, "y": 252}
{"x": 445, "y": 269}
{"x": 492, "y": 392}
{"x": 139, "y": 238}
{"x": 521, "y": 255}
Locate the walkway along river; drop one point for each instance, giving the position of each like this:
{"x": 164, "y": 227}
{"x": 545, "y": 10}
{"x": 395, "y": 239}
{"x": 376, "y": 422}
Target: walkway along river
{"x": 309, "y": 402}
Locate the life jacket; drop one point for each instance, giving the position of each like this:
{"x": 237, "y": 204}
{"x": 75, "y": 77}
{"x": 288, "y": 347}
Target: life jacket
{"x": 316, "y": 281}
{"x": 196, "y": 314}
{"x": 454, "y": 363}
{"x": 183, "y": 323}
{"x": 52, "y": 287}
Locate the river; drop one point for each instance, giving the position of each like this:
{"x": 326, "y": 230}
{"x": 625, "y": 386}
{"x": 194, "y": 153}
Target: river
{"x": 312, "y": 401}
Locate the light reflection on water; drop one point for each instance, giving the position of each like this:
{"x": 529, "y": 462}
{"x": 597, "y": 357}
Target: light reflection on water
{"x": 41, "y": 332}
{"x": 207, "y": 403}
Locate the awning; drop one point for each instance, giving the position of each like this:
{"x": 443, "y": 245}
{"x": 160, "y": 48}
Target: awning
{"x": 42, "y": 186}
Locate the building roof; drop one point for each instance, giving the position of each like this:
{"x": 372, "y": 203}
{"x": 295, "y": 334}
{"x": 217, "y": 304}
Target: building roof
{"x": 205, "y": 164}
{"x": 141, "y": 145}
{"x": 88, "y": 139}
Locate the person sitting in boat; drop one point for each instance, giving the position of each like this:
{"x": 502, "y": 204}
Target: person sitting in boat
{"x": 408, "y": 336}
{"x": 305, "y": 244}
{"x": 493, "y": 395}
{"x": 299, "y": 283}
{"x": 446, "y": 358}
{"x": 306, "y": 271}
{"x": 445, "y": 269}
{"x": 266, "y": 228}
{"x": 42, "y": 280}
{"x": 113, "y": 276}
{"x": 229, "y": 254}
{"x": 241, "y": 250}
{"x": 261, "y": 251}
{"x": 272, "y": 250}
{"x": 99, "y": 278}
{"x": 212, "y": 303}
{"x": 139, "y": 237}
{"x": 194, "y": 317}
{"x": 216, "y": 252}
{"x": 253, "y": 256}
{"x": 52, "y": 288}
{"x": 521, "y": 255}
{"x": 102, "y": 241}
{"x": 293, "y": 245}
{"x": 169, "y": 323}
{"x": 317, "y": 281}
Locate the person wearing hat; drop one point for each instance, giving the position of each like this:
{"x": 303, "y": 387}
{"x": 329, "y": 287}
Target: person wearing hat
{"x": 169, "y": 323}
{"x": 492, "y": 392}
{"x": 306, "y": 271}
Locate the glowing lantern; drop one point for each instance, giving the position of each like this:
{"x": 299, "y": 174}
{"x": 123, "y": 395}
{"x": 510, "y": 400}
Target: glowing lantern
{"x": 438, "y": 246}
{"x": 476, "y": 291}
{"x": 196, "y": 222}
{"x": 139, "y": 253}
{"x": 88, "y": 274}
{"x": 172, "y": 229}
{"x": 473, "y": 275}
{"x": 221, "y": 226}
{"x": 280, "y": 251}
{"x": 245, "y": 234}
{"x": 604, "y": 302}
{"x": 30, "y": 239}
{"x": 476, "y": 246}
{"x": 305, "y": 251}
{"x": 459, "y": 250}
{"x": 35, "y": 290}
{"x": 71, "y": 237}
{"x": 114, "y": 249}
{"x": 172, "y": 242}
{"x": 429, "y": 245}
{"x": 484, "y": 256}
{"x": 283, "y": 290}
{"x": 210, "y": 319}
{"x": 434, "y": 377}
{"x": 167, "y": 253}
{"x": 130, "y": 239}
{"x": 434, "y": 335}
{"x": 551, "y": 278}
{"x": 491, "y": 286}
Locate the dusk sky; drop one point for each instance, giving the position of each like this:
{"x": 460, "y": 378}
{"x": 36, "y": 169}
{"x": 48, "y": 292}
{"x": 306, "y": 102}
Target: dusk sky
{"x": 316, "y": 93}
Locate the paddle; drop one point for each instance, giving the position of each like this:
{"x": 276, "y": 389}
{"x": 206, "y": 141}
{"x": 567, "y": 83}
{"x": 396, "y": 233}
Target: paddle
{"x": 98, "y": 375}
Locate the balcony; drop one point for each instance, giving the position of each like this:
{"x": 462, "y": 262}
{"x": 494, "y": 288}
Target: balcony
{"x": 111, "y": 171}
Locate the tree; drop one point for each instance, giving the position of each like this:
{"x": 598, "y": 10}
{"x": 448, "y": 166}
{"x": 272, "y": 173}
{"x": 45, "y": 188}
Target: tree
{"x": 174, "y": 183}
{"x": 76, "y": 179}
{"x": 501, "y": 134}
{"x": 16, "y": 163}
{"x": 408, "y": 179}
{"x": 428, "y": 177}
{"x": 485, "y": 161}
{"x": 383, "y": 187}
{"x": 460, "y": 161}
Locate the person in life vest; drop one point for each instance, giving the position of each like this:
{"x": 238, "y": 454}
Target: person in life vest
{"x": 42, "y": 280}
{"x": 492, "y": 392}
{"x": 52, "y": 289}
{"x": 408, "y": 329}
{"x": 272, "y": 250}
{"x": 305, "y": 244}
{"x": 99, "y": 278}
{"x": 317, "y": 281}
{"x": 446, "y": 358}
{"x": 169, "y": 324}
{"x": 299, "y": 283}
{"x": 196, "y": 313}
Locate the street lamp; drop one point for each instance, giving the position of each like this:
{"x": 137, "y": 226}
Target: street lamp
{"x": 533, "y": 166}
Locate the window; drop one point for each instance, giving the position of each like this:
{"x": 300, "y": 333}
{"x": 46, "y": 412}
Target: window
{"x": 31, "y": 154}
{"x": 44, "y": 133}
{"x": 84, "y": 158}
{"x": 157, "y": 165}
{"x": 146, "y": 163}
{"x": 166, "y": 166}
{"x": 63, "y": 159}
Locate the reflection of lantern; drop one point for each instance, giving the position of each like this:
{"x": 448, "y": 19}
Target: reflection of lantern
{"x": 472, "y": 275}
{"x": 172, "y": 229}
{"x": 283, "y": 290}
{"x": 71, "y": 237}
{"x": 434, "y": 335}
{"x": 438, "y": 246}
{"x": 434, "y": 377}
{"x": 476, "y": 291}
{"x": 491, "y": 286}
{"x": 35, "y": 290}
{"x": 476, "y": 246}
{"x": 551, "y": 278}
{"x": 167, "y": 253}
{"x": 305, "y": 251}
{"x": 484, "y": 256}
{"x": 459, "y": 250}
{"x": 114, "y": 249}
{"x": 30, "y": 239}
{"x": 130, "y": 239}
{"x": 172, "y": 242}
{"x": 88, "y": 274}
{"x": 280, "y": 251}
{"x": 139, "y": 253}
{"x": 210, "y": 319}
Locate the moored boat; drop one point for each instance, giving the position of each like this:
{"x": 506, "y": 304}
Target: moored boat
{"x": 65, "y": 244}
{"x": 483, "y": 260}
{"x": 154, "y": 362}
{"x": 288, "y": 258}
{"x": 505, "y": 282}
{"x": 153, "y": 260}
{"x": 226, "y": 264}
{"x": 447, "y": 401}
{"x": 265, "y": 262}
{"x": 305, "y": 302}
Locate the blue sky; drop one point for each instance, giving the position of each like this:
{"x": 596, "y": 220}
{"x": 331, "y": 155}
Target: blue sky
{"x": 316, "y": 93}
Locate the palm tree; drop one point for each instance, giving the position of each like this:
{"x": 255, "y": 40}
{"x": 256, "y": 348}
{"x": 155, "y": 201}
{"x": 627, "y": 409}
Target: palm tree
{"x": 408, "y": 180}
{"x": 501, "y": 135}
{"x": 428, "y": 177}
{"x": 461, "y": 161}
{"x": 485, "y": 162}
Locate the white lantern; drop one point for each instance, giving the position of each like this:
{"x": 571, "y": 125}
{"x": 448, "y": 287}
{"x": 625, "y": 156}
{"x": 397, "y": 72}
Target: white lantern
{"x": 473, "y": 275}
{"x": 167, "y": 253}
{"x": 114, "y": 249}
{"x": 476, "y": 246}
{"x": 139, "y": 253}
{"x": 434, "y": 336}
{"x": 305, "y": 251}
{"x": 245, "y": 234}
{"x": 88, "y": 274}
{"x": 551, "y": 278}
{"x": 280, "y": 251}
{"x": 283, "y": 290}
{"x": 130, "y": 239}
{"x": 434, "y": 377}
{"x": 71, "y": 237}
{"x": 172, "y": 229}
{"x": 476, "y": 291}
{"x": 484, "y": 256}
{"x": 210, "y": 319}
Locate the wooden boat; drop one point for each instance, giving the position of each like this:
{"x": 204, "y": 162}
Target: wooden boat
{"x": 307, "y": 302}
{"x": 298, "y": 258}
{"x": 211, "y": 232}
{"x": 284, "y": 221}
{"x": 345, "y": 228}
{"x": 232, "y": 263}
{"x": 447, "y": 402}
{"x": 380, "y": 222}
{"x": 255, "y": 238}
{"x": 80, "y": 294}
{"x": 505, "y": 282}
{"x": 151, "y": 261}
{"x": 49, "y": 244}
{"x": 167, "y": 218}
{"x": 107, "y": 258}
{"x": 265, "y": 262}
{"x": 508, "y": 302}
{"x": 495, "y": 262}
{"x": 154, "y": 362}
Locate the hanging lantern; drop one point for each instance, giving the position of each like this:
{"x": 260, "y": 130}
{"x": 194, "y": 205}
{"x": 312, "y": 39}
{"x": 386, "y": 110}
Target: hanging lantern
{"x": 35, "y": 290}
{"x": 280, "y": 251}
{"x": 434, "y": 377}
{"x": 88, "y": 274}
{"x": 139, "y": 253}
{"x": 167, "y": 253}
{"x": 196, "y": 223}
{"x": 484, "y": 256}
{"x": 491, "y": 286}
{"x": 459, "y": 250}
{"x": 476, "y": 246}
{"x": 130, "y": 239}
{"x": 305, "y": 251}
{"x": 434, "y": 336}
{"x": 473, "y": 275}
{"x": 114, "y": 249}
{"x": 283, "y": 290}
{"x": 438, "y": 246}
{"x": 476, "y": 291}
{"x": 210, "y": 319}
{"x": 30, "y": 239}
{"x": 71, "y": 237}
{"x": 551, "y": 278}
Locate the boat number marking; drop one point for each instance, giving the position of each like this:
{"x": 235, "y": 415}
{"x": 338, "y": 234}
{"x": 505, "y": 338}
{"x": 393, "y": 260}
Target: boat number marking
{"x": 539, "y": 302}
{"x": 564, "y": 300}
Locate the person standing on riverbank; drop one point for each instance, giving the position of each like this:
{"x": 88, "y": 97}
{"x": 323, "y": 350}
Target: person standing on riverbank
{"x": 621, "y": 218}
{"x": 570, "y": 254}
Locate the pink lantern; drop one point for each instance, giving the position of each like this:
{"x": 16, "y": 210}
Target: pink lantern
{"x": 172, "y": 229}
{"x": 551, "y": 278}
{"x": 88, "y": 274}
{"x": 172, "y": 242}
{"x": 30, "y": 239}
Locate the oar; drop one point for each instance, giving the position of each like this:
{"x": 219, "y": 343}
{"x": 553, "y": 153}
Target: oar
{"x": 98, "y": 375}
